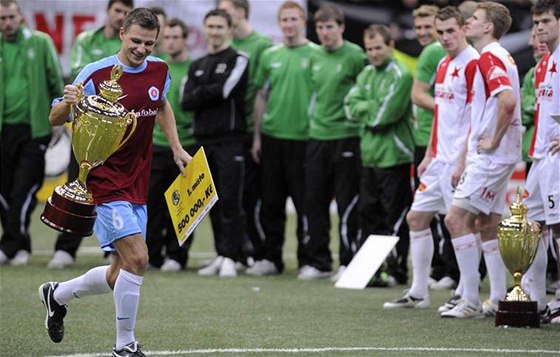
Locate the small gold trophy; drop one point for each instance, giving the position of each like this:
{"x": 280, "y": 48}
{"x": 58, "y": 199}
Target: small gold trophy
{"x": 99, "y": 125}
{"x": 518, "y": 241}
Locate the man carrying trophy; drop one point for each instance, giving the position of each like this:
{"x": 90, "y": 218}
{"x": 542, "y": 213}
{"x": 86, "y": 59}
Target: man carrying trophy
{"x": 120, "y": 186}
{"x": 493, "y": 149}
{"x": 542, "y": 190}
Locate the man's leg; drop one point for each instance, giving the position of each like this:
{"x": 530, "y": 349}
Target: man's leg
{"x": 421, "y": 251}
{"x": 275, "y": 193}
{"x": 347, "y": 176}
{"x": 157, "y": 208}
{"x": 133, "y": 254}
{"x": 28, "y": 175}
{"x": 460, "y": 223}
{"x": 497, "y": 272}
{"x": 318, "y": 196}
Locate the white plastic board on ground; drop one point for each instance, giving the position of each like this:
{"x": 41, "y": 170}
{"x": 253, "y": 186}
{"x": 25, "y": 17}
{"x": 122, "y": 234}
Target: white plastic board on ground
{"x": 366, "y": 262}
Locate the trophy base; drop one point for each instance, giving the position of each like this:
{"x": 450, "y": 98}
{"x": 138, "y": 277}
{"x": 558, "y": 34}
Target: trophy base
{"x": 68, "y": 216}
{"x": 517, "y": 314}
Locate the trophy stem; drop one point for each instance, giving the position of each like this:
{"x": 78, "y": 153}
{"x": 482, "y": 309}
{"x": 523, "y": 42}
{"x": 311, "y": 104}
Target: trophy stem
{"x": 517, "y": 278}
{"x": 83, "y": 173}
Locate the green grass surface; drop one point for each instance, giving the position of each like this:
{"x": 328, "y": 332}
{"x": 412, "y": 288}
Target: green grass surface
{"x": 270, "y": 316}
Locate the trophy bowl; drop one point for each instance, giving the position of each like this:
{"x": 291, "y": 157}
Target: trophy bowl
{"x": 99, "y": 126}
{"x": 518, "y": 240}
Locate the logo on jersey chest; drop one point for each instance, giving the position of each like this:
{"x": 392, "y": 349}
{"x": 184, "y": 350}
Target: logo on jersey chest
{"x": 220, "y": 68}
{"x": 153, "y": 92}
{"x": 443, "y": 93}
{"x": 545, "y": 93}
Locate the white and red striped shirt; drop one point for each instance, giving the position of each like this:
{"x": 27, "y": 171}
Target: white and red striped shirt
{"x": 547, "y": 101}
{"x": 496, "y": 72}
{"x": 452, "y": 113}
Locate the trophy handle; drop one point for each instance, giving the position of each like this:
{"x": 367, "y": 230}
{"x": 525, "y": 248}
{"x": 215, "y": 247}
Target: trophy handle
{"x": 80, "y": 88}
{"x": 131, "y": 119}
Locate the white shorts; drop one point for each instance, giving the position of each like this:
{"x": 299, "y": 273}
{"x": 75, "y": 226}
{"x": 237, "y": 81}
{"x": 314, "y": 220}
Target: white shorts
{"x": 435, "y": 193}
{"x": 542, "y": 190}
{"x": 483, "y": 187}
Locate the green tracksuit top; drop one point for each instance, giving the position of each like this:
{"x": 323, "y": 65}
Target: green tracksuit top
{"x": 253, "y": 46}
{"x": 426, "y": 73}
{"x": 43, "y": 76}
{"x": 380, "y": 103}
{"x": 184, "y": 120}
{"x": 333, "y": 73}
{"x": 91, "y": 46}
{"x": 528, "y": 111}
{"x": 285, "y": 72}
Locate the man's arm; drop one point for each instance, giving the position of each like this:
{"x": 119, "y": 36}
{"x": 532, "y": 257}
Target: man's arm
{"x": 421, "y": 96}
{"x": 258, "y": 111}
{"x": 166, "y": 121}
{"x": 506, "y": 108}
{"x": 428, "y": 154}
{"x": 390, "y": 103}
{"x": 61, "y": 110}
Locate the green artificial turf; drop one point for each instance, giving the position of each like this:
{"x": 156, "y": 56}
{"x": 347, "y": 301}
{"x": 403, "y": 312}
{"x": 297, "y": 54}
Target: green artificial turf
{"x": 182, "y": 314}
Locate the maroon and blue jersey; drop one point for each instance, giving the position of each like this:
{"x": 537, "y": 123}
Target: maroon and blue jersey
{"x": 125, "y": 175}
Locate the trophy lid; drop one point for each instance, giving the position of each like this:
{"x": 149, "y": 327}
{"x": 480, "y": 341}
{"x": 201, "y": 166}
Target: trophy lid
{"x": 518, "y": 208}
{"x": 110, "y": 89}
{"x": 105, "y": 104}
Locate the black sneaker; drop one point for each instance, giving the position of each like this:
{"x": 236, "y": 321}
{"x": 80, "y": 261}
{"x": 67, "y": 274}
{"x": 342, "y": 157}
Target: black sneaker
{"x": 130, "y": 350}
{"x": 54, "y": 321}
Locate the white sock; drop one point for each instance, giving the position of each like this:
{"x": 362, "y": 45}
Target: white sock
{"x": 497, "y": 271}
{"x": 466, "y": 250}
{"x": 557, "y": 294}
{"x": 459, "y": 290}
{"x": 127, "y": 296}
{"x": 93, "y": 282}
{"x": 421, "y": 251}
{"x": 534, "y": 280}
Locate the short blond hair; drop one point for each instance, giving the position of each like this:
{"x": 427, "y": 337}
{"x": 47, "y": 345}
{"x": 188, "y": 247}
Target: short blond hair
{"x": 425, "y": 11}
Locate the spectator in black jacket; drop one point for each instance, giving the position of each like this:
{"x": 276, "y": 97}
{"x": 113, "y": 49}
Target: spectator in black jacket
{"x": 215, "y": 92}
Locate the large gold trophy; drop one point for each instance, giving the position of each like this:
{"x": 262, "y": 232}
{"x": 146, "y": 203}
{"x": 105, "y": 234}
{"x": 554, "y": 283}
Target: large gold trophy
{"x": 99, "y": 126}
{"x": 518, "y": 240}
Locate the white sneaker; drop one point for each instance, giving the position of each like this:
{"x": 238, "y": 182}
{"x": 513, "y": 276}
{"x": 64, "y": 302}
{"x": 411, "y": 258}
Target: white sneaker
{"x": 228, "y": 270}
{"x": 213, "y": 268}
{"x": 464, "y": 310}
{"x": 262, "y": 268}
{"x": 307, "y": 272}
{"x": 489, "y": 308}
{"x": 408, "y": 301}
{"x": 3, "y": 258}
{"x": 445, "y": 283}
{"x": 338, "y": 274}
{"x": 61, "y": 260}
{"x": 449, "y": 304}
{"x": 21, "y": 258}
{"x": 170, "y": 265}
{"x": 554, "y": 306}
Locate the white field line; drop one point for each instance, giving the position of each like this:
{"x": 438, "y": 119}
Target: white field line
{"x": 89, "y": 251}
{"x": 327, "y": 349}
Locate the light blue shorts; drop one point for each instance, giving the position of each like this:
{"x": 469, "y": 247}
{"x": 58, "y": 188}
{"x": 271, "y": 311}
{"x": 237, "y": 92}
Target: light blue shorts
{"x": 117, "y": 220}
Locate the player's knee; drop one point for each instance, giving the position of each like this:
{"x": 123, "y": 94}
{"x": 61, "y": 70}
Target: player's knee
{"x": 138, "y": 262}
{"x": 416, "y": 222}
{"x": 453, "y": 223}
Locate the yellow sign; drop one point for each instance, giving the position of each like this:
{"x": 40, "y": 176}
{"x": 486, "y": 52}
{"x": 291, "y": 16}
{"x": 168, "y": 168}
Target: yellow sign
{"x": 190, "y": 197}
